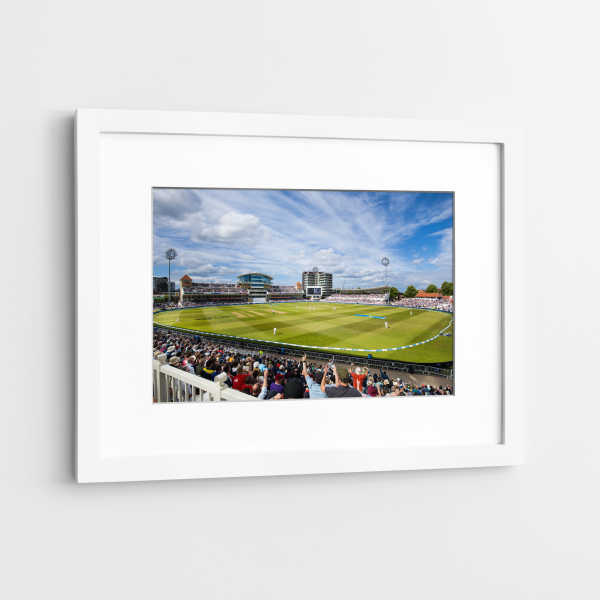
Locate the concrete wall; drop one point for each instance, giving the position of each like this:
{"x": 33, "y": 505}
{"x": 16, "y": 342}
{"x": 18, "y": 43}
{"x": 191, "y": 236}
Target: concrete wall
{"x": 519, "y": 533}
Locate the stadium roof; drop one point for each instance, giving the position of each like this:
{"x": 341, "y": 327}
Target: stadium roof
{"x": 244, "y": 274}
{"x": 186, "y": 278}
{"x": 422, "y": 294}
{"x": 373, "y": 290}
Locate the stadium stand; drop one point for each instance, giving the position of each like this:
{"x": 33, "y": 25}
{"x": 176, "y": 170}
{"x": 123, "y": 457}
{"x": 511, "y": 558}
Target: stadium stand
{"x": 442, "y": 303}
{"x": 357, "y": 298}
{"x": 245, "y": 371}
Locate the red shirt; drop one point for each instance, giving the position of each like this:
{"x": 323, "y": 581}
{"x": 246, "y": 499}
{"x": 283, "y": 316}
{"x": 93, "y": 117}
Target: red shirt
{"x": 239, "y": 381}
{"x": 357, "y": 380}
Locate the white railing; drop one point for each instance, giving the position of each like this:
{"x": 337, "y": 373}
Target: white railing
{"x": 173, "y": 385}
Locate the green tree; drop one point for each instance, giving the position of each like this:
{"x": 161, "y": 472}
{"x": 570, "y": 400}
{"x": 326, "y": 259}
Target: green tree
{"x": 447, "y": 288}
{"x": 411, "y": 291}
{"x": 394, "y": 293}
{"x": 432, "y": 289}
{"x": 359, "y": 288}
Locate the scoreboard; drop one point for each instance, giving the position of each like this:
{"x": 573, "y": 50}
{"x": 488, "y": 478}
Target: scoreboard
{"x": 314, "y": 291}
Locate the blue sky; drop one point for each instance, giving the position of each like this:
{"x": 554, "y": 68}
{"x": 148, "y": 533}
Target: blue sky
{"x": 220, "y": 234}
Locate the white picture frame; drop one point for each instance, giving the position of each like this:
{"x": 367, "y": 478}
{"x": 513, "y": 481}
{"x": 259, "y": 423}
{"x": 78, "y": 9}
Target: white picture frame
{"x": 106, "y": 391}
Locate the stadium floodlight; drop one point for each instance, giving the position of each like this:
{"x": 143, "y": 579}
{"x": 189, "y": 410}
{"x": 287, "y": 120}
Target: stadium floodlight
{"x": 385, "y": 261}
{"x": 170, "y": 254}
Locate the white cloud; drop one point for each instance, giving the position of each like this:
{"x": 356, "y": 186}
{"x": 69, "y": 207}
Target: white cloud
{"x": 233, "y": 229}
{"x": 223, "y": 233}
{"x": 327, "y": 257}
{"x": 300, "y": 257}
{"x": 444, "y": 255}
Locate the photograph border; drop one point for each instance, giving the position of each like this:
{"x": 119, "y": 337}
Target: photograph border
{"x": 91, "y": 466}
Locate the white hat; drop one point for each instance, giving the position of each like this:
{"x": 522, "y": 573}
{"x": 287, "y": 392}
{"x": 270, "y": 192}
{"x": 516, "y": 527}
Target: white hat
{"x": 359, "y": 370}
{"x": 256, "y": 365}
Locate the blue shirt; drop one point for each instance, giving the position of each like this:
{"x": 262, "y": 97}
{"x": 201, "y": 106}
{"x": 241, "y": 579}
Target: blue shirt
{"x": 314, "y": 389}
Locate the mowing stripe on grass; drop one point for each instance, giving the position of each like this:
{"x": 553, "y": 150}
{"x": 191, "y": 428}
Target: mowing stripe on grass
{"x": 196, "y": 332}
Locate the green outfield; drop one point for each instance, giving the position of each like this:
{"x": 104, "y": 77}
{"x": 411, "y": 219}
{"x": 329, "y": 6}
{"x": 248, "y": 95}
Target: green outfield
{"x": 325, "y": 327}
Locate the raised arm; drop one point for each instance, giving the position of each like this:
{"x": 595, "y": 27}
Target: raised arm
{"x": 323, "y": 380}
{"x": 304, "y": 372}
{"x": 263, "y": 392}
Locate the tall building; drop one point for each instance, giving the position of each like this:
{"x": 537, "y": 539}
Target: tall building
{"x": 318, "y": 279}
{"x": 160, "y": 284}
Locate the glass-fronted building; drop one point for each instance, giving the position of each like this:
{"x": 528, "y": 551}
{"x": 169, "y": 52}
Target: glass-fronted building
{"x": 254, "y": 280}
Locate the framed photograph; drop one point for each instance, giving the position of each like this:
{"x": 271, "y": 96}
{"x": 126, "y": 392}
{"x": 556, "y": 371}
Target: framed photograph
{"x": 328, "y": 295}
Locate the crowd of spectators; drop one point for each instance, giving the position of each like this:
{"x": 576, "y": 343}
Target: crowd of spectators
{"x": 271, "y": 377}
{"x": 357, "y": 298}
{"x": 434, "y": 303}
{"x": 284, "y": 289}
{"x": 215, "y": 288}
{"x": 206, "y": 303}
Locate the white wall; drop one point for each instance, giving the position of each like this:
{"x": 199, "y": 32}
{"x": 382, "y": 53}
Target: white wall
{"x": 526, "y": 532}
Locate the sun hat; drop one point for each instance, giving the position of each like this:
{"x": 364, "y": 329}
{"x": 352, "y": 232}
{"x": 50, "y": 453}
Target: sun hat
{"x": 342, "y": 373}
{"x": 256, "y": 364}
{"x": 359, "y": 370}
{"x": 174, "y": 360}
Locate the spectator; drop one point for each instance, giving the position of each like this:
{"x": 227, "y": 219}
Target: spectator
{"x": 358, "y": 376}
{"x": 239, "y": 379}
{"x": 276, "y": 386}
{"x": 342, "y": 389}
{"x": 314, "y": 387}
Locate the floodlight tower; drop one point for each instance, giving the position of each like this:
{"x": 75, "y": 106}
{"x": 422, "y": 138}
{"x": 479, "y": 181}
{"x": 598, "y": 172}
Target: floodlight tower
{"x": 385, "y": 261}
{"x": 170, "y": 254}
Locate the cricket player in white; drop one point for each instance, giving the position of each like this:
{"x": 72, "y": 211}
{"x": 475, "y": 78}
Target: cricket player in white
{"x": 386, "y": 325}
{"x": 411, "y": 313}
{"x": 274, "y": 330}
{"x": 178, "y": 319}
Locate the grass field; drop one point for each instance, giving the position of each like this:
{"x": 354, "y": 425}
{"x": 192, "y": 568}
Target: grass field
{"x": 325, "y": 327}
